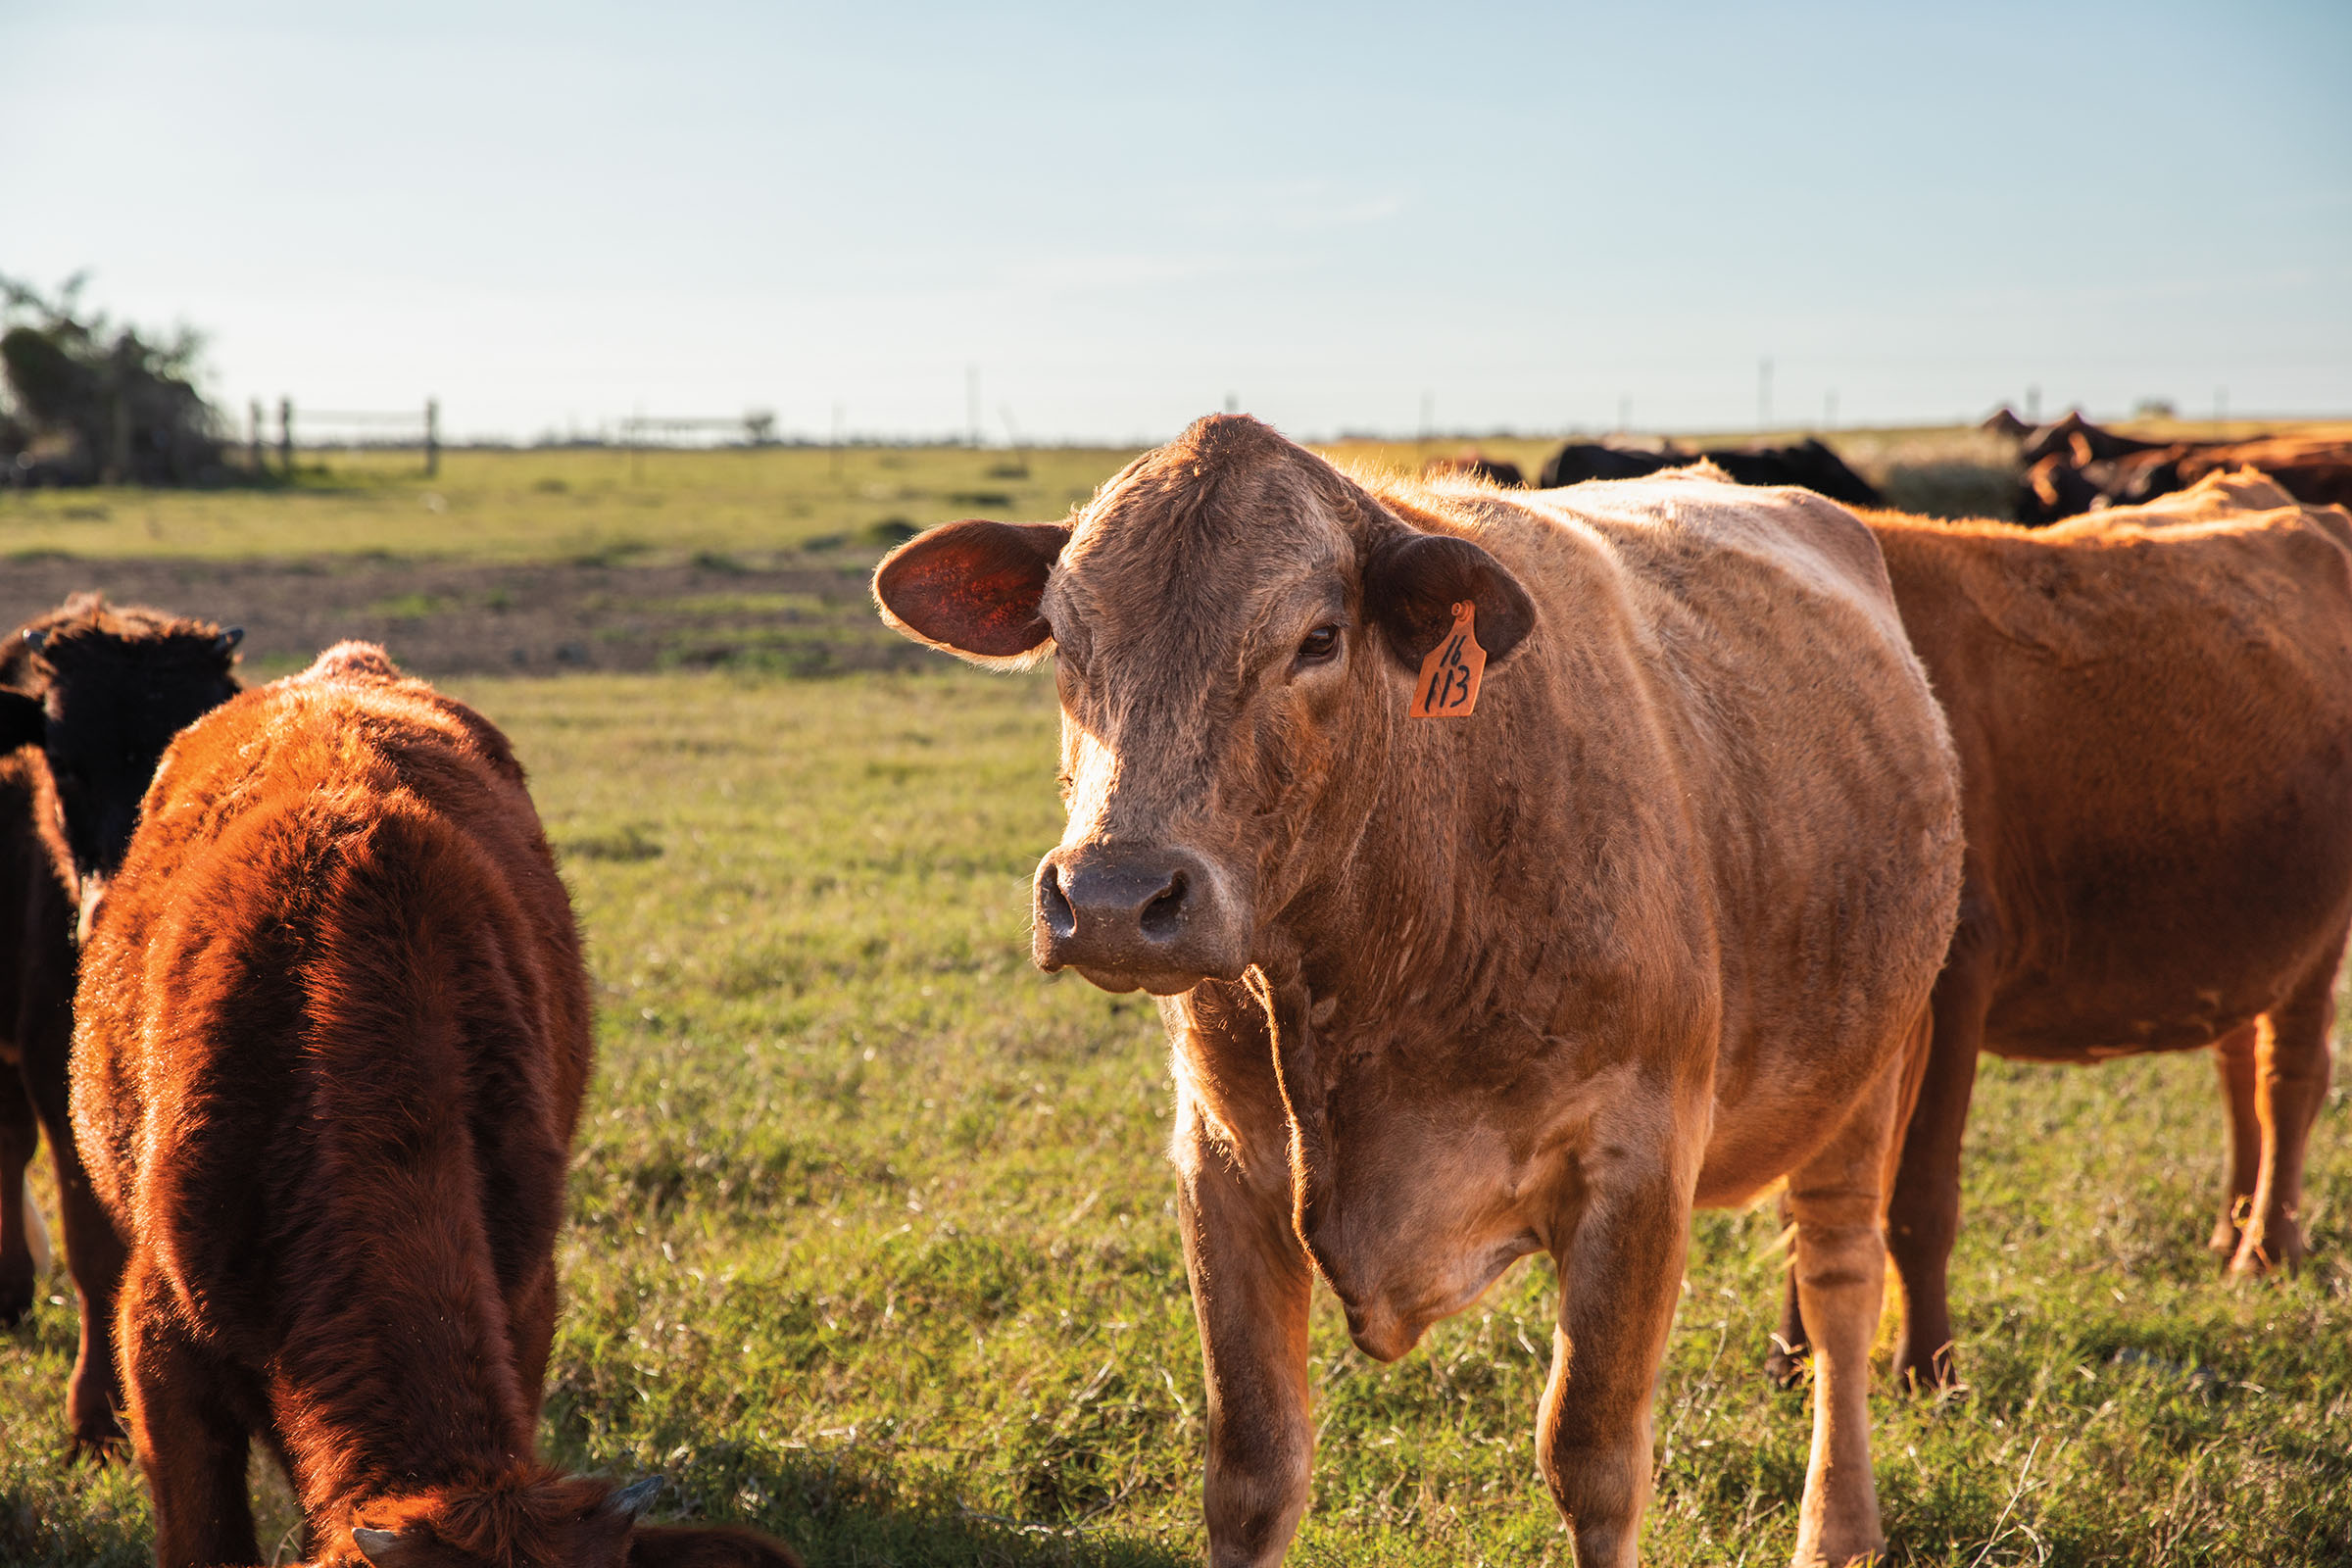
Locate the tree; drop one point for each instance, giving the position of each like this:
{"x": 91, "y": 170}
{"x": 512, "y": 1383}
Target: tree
{"x": 87, "y": 401}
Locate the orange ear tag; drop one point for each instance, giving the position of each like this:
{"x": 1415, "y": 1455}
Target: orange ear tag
{"x": 1447, "y": 687}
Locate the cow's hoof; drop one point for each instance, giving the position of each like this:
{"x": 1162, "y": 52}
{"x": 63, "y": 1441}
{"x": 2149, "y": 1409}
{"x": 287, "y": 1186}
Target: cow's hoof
{"x": 99, "y": 1447}
{"x": 1936, "y": 1380}
{"x": 2263, "y": 1251}
{"x": 1832, "y": 1553}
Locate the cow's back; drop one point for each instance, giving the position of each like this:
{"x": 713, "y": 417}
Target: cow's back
{"x": 1816, "y": 787}
{"x": 338, "y": 944}
{"x": 2155, "y": 734}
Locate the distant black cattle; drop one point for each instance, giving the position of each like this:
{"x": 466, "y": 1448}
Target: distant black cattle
{"x": 1580, "y": 461}
{"x": 1477, "y": 465}
{"x": 1807, "y": 464}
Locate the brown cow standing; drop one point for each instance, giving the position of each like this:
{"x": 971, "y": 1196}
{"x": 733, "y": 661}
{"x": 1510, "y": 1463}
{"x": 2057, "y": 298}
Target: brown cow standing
{"x": 1652, "y": 925}
{"x": 90, "y": 694}
{"x": 330, "y": 1042}
{"x": 2154, "y": 722}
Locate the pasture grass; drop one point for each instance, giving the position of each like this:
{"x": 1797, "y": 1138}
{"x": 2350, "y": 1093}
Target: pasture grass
{"x": 872, "y": 1240}
{"x": 608, "y": 506}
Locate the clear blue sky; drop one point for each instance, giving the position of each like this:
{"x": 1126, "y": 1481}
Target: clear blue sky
{"x": 556, "y": 215}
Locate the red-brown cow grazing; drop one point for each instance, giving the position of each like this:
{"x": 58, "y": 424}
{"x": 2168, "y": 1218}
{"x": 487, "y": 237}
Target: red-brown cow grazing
{"x": 2154, "y": 719}
{"x": 1652, "y": 925}
{"x": 329, "y": 1047}
{"x": 89, "y": 696}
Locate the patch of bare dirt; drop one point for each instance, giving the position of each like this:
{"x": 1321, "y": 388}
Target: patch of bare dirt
{"x": 805, "y": 617}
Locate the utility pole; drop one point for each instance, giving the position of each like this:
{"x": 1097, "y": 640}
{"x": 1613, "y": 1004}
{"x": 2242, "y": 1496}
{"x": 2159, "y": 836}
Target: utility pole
{"x": 285, "y": 436}
{"x": 253, "y": 435}
{"x": 432, "y": 436}
{"x": 2033, "y": 405}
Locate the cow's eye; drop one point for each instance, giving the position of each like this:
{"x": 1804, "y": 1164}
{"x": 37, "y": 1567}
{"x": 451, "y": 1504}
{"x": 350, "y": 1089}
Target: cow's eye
{"x": 1319, "y": 645}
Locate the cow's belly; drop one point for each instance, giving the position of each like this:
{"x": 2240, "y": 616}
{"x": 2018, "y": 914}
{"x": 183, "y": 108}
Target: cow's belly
{"x": 2174, "y": 980}
{"x": 2052, "y": 1026}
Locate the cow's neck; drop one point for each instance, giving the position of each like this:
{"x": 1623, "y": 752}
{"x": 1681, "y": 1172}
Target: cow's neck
{"x": 389, "y": 1381}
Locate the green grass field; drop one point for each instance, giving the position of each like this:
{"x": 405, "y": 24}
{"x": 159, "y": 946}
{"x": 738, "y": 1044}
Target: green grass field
{"x": 873, "y": 1242}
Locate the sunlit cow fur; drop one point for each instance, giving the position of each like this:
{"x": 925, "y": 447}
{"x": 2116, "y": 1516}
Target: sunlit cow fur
{"x": 331, "y": 1038}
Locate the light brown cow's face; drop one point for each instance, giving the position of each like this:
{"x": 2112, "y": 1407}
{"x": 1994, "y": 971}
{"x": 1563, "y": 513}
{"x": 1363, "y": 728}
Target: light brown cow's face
{"x": 1234, "y": 623}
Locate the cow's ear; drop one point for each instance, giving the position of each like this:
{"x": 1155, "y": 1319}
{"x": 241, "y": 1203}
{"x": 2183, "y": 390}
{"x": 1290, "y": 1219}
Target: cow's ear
{"x": 972, "y": 587}
{"x": 1412, "y": 582}
{"x": 23, "y": 721}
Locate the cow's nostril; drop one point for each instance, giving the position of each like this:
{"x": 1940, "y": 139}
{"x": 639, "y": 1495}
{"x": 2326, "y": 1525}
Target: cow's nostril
{"x": 1054, "y": 906}
{"x": 1163, "y": 916}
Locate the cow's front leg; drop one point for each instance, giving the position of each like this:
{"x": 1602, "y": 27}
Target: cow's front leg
{"x": 1837, "y": 1199}
{"x": 1250, "y": 1286}
{"x": 1621, "y": 1270}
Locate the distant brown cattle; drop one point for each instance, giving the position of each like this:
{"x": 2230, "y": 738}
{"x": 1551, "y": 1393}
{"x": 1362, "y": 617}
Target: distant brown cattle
{"x": 1650, "y": 922}
{"x": 90, "y": 694}
{"x": 1476, "y": 465}
{"x": 2153, "y": 710}
{"x": 2081, "y": 440}
{"x": 2074, "y": 466}
{"x": 331, "y": 1041}
{"x": 2316, "y": 471}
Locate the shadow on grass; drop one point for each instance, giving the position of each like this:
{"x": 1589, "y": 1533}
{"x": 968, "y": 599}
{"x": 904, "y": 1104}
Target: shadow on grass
{"x": 851, "y": 1507}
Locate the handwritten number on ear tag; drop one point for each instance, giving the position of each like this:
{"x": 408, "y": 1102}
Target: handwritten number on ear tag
{"x": 1447, "y": 687}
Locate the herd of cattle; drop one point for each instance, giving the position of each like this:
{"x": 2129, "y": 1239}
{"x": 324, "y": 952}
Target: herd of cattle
{"x": 1516, "y": 870}
{"x": 2068, "y": 467}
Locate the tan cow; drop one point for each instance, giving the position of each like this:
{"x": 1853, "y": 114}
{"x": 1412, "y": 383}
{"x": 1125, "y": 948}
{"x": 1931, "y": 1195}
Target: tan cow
{"x": 2153, "y": 711}
{"x": 1650, "y": 923}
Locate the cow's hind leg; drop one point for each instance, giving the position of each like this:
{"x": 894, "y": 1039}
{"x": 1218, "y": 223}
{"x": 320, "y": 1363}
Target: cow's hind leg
{"x": 1785, "y": 1365}
{"x": 1923, "y": 1207}
{"x": 2291, "y": 1069}
{"x": 2233, "y": 1056}
{"x": 190, "y": 1440}
{"x": 19, "y": 1139}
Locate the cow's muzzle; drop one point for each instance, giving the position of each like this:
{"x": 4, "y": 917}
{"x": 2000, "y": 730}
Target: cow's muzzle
{"x": 1128, "y": 916}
